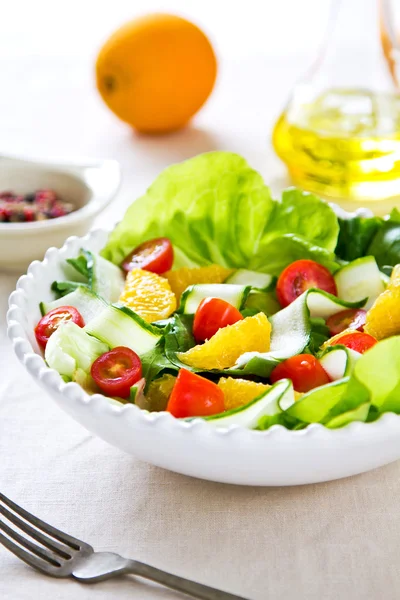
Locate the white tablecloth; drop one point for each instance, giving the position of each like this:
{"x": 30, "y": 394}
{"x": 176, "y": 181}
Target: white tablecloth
{"x": 338, "y": 540}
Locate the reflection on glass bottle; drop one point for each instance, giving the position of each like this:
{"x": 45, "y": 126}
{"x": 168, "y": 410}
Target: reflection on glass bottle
{"x": 340, "y": 132}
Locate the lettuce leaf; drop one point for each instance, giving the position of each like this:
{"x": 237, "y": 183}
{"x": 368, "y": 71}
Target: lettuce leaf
{"x": 216, "y": 209}
{"x": 385, "y": 245}
{"x": 372, "y": 389}
{"x": 370, "y": 236}
{"x": 356, "y": 235}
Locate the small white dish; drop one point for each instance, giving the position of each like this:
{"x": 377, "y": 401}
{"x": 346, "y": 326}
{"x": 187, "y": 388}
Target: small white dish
{"x": 235, "y": 455}
{"x": 89, "y": 185}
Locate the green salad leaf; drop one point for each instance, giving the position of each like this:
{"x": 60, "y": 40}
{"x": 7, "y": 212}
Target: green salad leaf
{"x": 370, "y": 236}
{"x": 373, "y": 388}
{"x": 216, "y": 209}
{"x": 385, "y": 245}
{"x": 355, "y": 236}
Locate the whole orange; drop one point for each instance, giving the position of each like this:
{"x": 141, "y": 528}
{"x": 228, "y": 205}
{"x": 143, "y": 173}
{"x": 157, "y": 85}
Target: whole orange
{"x": 156, "y": 72}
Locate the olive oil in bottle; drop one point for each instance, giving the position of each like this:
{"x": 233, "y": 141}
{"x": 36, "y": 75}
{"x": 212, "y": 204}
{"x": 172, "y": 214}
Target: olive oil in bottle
{"x": 340, "y": 132}
{"x": 345, "y": 143}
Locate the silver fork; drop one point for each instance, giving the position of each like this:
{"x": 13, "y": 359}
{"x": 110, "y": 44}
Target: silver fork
{"x": 60, "y": 555}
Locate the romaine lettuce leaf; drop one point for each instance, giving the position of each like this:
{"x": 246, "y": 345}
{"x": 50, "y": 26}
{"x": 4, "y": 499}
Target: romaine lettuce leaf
{"x": 216, "y": 209}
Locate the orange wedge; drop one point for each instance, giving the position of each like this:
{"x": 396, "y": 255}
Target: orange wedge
{"x": 149, "y": 295}
{"x": 222, "y": 350}
{"x": 180, "y": 279}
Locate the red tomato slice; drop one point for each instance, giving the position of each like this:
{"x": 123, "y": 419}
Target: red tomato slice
{"x": 116, "y": 371}
{"x": 213, "y": 314}
{"x": 351, "y": 318}
{"x": 49, "y": 323}
{"x": 154, "y": 255}
{"x": 360, "y": 342}
{"x": 304, "y": 370}
{"x": 299, "y": 277}
{"x": 195, "y": 396}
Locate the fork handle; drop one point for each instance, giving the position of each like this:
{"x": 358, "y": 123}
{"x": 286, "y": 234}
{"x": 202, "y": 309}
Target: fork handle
{"x": 180, "y": 584}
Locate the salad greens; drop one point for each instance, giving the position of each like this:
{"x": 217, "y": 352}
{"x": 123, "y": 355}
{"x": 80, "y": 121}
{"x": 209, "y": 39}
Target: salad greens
{"x": 373, "y": 236}
{"x": 215, "y": 209}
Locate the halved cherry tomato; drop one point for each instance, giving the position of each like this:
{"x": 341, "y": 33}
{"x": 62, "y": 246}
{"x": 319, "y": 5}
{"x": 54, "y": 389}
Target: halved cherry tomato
{"x": 155, "y": 255}
{"x": 304, "y": 370}
{"x": 195, "y": 396}
{"x": 116, "y": 371}
{"x": 360, "y": 342}
{"x": 352, "y": 318}
{"x": 299, "y": 277}
{"x": 50, "y": 322}
{"x": 213, "y": 314}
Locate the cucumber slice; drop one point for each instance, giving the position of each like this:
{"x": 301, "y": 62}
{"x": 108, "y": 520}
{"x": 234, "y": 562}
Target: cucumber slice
{"x": 324, "y": 305}
{"x": 120, "y": 326}
{"x": 83, "y": 299}
{"x": 357, "y": 414}
{"x": 291, "y": 326}
{"x": 338, "y": 361}
{"x": 316, "y": 404}
{"x": 62, "y": 288}
{"x": 260, "y": 301}
{"x": 193, "y": 295}
{"x": 105, "y": 278}
{"x": 360, "y": 279}
{"x": 260, "y": 281}
{"x": 70, "y": 350}
{"x": 267, "y": 406}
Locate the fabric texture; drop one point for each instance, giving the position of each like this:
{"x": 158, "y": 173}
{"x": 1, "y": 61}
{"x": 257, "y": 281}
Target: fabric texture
{"x": 337, "y": 540}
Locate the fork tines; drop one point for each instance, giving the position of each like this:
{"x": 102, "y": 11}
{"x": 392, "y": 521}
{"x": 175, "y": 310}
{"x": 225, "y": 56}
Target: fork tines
{"x": 55, "y": 548}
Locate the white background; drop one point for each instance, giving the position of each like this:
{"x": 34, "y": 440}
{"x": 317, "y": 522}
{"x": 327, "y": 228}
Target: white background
{"x": 332, "y": 541}
{"x": 49, "y": 105}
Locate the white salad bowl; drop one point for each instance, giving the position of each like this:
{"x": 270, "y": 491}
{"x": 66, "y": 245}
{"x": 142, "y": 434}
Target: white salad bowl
{"x": 235, "y": 455}
{"x": 89, "y": 185}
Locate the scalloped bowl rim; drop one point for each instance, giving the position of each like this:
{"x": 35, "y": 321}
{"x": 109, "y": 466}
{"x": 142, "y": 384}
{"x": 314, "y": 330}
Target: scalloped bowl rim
{"x": 163, "y": 421}
{"x": 38, "y": 368}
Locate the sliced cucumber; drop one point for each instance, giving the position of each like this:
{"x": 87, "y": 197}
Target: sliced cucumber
{"x": 62, "y": 288}
{"x": 338, "y": 361}
{"x": 357, "y": 414}
{"x": 105, "y": 278}
{"x": 260, "y": 301}
{"x": 360, "y": 279}
{"x": 260, "y": 281}
{"x": 291, "y": 327}
{"x": 322, "y": 304}
{"x": 270, "y": 404}
{"x": 70, "y": 350}
{"x": 193, "y": 295}
{"x": 83, "y": 299}
{"x": 317, "y": 403}
{"x": 120, "y": 326}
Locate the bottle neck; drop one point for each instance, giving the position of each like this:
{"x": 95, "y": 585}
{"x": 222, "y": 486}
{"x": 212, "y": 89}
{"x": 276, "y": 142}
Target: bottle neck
{"x": 351, "y": 56}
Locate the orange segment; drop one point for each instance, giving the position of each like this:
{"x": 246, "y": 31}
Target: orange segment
{"x": 224, "y": 348}
{"x": 148, "y": 295}
{"x": 383, "y": 318}
{"x": 180, "y": 279}
{"x": 239, "y": 392}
